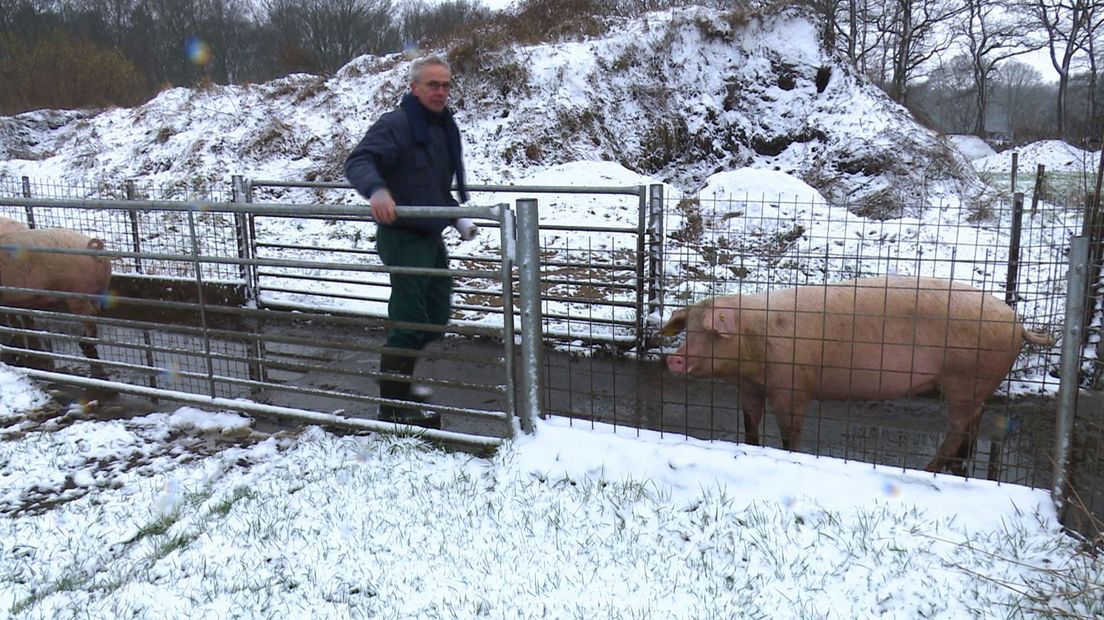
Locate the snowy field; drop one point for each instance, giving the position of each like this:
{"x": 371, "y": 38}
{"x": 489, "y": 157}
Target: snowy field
{"x": 111, "y": 518}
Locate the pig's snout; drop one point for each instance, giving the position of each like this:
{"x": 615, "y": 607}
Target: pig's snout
{"x": 676, "y": 362}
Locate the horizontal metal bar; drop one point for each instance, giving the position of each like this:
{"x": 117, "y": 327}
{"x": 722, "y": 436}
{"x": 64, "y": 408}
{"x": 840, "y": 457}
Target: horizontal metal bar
{"x": 589, "y": 302}
{"x": 567, "y": 318}
{"x": 295, "y": 389}
{"x": 329, "y": 420}
{"x": 50, "y": 293}
{"x": 314, "y": 248}
{"x": 594, "y": 266}
{"x": 64, "y": 357}
{"x": 588, "y": 228}
{"x": 20, "y": 249}
{"x": 263, "y": 209}
{"x": 226, "y": 380}
{"x": 599, "y": 285}
{"x": 630, "y": 190}
{"x": 269, "y": 289}
{"x": 296, "y": 264}
{"x": 315, "y": 278}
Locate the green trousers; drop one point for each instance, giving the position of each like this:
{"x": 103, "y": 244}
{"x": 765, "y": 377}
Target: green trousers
{"x": 415, "y": 298}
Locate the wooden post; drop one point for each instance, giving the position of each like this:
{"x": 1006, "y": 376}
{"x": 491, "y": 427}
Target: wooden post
{"x": 1040, "y": 173}
{"x": 27, "y": 194}
{"x": 1014, "y": 250}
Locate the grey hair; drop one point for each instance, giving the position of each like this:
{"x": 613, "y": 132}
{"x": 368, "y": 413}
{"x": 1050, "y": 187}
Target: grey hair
{"x": 419, "y": 65}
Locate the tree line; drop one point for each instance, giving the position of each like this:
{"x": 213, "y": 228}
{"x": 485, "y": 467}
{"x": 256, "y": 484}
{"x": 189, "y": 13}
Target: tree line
{"x": 79, "y": 53}
{"x": 955, "y": 63}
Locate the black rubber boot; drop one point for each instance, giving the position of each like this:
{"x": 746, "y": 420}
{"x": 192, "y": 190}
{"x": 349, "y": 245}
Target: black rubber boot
{"x": 400, "y": 390}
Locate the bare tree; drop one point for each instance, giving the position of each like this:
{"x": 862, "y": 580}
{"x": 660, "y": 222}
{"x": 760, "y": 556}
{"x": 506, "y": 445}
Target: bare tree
{"x": 106, "y": 20}
{"x": 422, "y": 21}
{"x": 827, "y": 13}
{"x": 323, "y": 35}
{"x": 1021, "y": 93}
{"x": 340, "y": 30}
{"x": 1094, "y": 29}
{"x": 231, "y": 33}
{"x": 28, "y": 19}
{"x": 991, "y": 34}
{"x": 945, "y": 97}
{"x": 1066, "y": 24}
{"x": 918, "y": 32}
{"x": 861, "y": 32}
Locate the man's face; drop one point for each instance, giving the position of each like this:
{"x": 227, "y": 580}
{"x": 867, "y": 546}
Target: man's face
{"x": 433, "y": 87}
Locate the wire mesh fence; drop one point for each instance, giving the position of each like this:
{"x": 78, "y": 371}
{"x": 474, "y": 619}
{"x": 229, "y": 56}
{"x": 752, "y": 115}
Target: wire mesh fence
{"x": 724, "y": 245}
{"x": 607, "y": 285}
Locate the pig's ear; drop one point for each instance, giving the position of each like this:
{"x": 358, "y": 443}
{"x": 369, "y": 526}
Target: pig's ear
{"x": 721, "y": 320}
{"x": 675, "y": 324}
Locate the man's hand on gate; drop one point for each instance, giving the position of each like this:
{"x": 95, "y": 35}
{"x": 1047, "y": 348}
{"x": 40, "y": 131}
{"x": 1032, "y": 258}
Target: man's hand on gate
{"x": 467, "y": 228}
{"x": 383, "y": 206}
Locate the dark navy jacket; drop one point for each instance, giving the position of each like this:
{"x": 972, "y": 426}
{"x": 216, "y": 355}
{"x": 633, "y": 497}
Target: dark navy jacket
{"x": 415, "y": 154}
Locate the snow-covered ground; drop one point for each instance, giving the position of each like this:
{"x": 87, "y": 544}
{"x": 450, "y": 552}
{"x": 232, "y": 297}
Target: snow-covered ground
{"x": 114, "y": 518}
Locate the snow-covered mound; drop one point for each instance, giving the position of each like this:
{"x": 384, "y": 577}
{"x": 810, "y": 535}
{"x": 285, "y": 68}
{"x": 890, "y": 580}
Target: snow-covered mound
{"x": 1056, "y": 155}
{"x": 972, "y": 147}
{"x": 675, "y": 95}
{"x": 758, "y": 186}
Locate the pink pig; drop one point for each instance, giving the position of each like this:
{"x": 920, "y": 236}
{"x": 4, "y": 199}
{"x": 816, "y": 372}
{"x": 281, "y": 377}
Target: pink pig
{"x": 868, "y": 339}
{"x": 45, "y": 271}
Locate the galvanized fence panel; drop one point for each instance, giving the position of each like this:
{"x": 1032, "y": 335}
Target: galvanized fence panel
{"x": 180, "y": 327}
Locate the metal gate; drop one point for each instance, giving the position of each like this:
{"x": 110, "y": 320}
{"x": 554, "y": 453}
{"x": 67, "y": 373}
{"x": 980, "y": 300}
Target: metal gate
{"x": 185, "y": 323}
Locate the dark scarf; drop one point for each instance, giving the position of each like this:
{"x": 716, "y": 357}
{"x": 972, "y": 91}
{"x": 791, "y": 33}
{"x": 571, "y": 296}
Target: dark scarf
{"x": 417, "y": 114}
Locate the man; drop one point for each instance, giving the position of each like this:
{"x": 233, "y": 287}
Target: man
{"x": 410, "y": 156}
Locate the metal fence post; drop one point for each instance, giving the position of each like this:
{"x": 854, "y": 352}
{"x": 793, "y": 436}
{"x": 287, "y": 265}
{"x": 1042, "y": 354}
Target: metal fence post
{"x": 197, "y": 264}
{"x": 1014, "y": 250}
{"x": 641, "y": 264}
{"x": 531, "y": 337}
{"x": 136, "y": 242}
{"x": 1040, "y": 176}
{"x": 655, "y": 249}
{"x": 1071, "y": 365}
{"x": 508, "y": 239}
{"x": 243, "y": 223}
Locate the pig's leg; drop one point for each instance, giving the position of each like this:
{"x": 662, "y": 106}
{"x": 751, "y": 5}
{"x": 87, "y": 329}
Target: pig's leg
{"x": 968, "y": 449}
{"x": 34, "y": 343}
{"x": 90, "y": 351}
{"x": 964, "y": 408}
{"x": 753, "y": 403}
{"x": 91, "y": 331}
{"x": 949, "y": 455}
{"x": 789, "y": 406}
